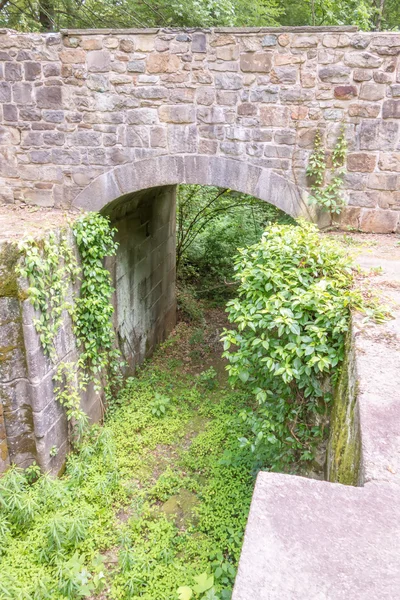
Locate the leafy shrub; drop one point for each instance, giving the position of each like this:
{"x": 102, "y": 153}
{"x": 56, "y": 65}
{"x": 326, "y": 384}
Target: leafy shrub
{"x": 292, "y": 313}
{"x": 159, "y": 405}
{"x": 212, "y": 223}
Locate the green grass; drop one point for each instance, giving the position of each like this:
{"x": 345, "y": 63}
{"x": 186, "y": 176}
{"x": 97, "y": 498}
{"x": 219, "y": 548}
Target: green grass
{"x": 152, "y": 500}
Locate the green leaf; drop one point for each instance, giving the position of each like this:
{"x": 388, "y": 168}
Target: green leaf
{"x": 204, "y": 583}
{"x": 185, "y": 593}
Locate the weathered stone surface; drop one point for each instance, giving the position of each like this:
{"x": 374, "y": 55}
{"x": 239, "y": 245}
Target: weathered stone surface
{"x": 177, "y": 114}
{"x": 257, "y": 62}
{"x": 391, "y": 109}
{"x": 372, "y": 91}
{"x": 364, "y": 110}
{"x": 334, "y": 74}
{"x": 162, "y": 63}
{"x": 364, "y": 60}
{"x": 379, "y": 221}
{"x": 103, "y": 99}
{"x": 378, "y": 135}
{"x": 306, "y": 539}
{"x": 361, "y": 162}
{"x": 362, "y": 75}
{"x": 345, "y": 92}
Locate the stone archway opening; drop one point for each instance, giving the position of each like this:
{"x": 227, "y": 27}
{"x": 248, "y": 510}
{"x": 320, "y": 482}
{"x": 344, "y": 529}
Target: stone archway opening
{"x": 140, "y": 200}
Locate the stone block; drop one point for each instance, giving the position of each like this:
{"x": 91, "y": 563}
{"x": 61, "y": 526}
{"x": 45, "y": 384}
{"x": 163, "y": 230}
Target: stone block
{"x": 162, "y": 63}
{"x": 363, "y": 60}
{"x": 137, "y": 136}
{"x": 98, "y": 61}
{"x": 32, "y": 70}
{"x": 372, "y": 91}
{"x": 362, "y": 75}
{"x": 345, "y": 92}
{"x": 126, "y": 45}
{"x": 284, "y": 39}
{"x": 142, "y": 116}
{"x": 384, "y": 181}
{"x": 274, "y": 116}
{"x": 5, "y": 92}
{"x": 391, "y": 109}
{"x": 334, "y": 74}
{"x": 361, "y": 162}
{"x": 136, "y": 66}
{"x": 299, "y": 113}
{"x": 182, "y": 139}
{"x": 48, "y": 97}
{"x": 285, "y": 137}
{"x": 177, "y": 114}
{"x": 267, "y": 94}
{"x": 199, "y": 42}
{"x": 389, "y": 162}
{"x": 213, "y": 115}
{"x": 205, "y": 96}
{"x": 269, "y": 41}
{"x": 228, "y": 81}
{"x": 256, "y": 62}
{"x": 227, "y": 97}
{"x": 12, "y": 71}
{"x": 183, "y": 95}
{"x": 284, "y": 75}
{"x": 10, "y": 112}
{"x": 145, "y": 42}
{"x": 228, "y": 52}
{"x": 364, "y": 110}
{"x": 378, "y": 221}
{"x": 51, "y": 70}
{"x": 73, "y": 56}
{"x": 382, "y": 77}
{"x": 378, "y": 135}
{"x": 158, "y": 137}
{"x": 304, "y": 41}
{"x": 152, "y": 93}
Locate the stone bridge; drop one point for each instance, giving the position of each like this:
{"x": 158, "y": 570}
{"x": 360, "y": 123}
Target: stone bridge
{"x": 90, "y": 116}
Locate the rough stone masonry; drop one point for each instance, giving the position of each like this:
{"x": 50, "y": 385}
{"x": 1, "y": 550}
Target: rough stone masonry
{"x": 86, "y": 115}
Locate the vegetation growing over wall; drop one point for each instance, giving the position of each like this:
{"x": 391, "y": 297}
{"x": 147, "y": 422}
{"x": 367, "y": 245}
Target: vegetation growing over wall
{"x": 292, "y": 314}
{"x": 52, "y": 269}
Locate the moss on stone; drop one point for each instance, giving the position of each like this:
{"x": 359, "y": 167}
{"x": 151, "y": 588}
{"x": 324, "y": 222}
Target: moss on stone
{"x": 9, "y": 255}
{"x": 344, "y": 451}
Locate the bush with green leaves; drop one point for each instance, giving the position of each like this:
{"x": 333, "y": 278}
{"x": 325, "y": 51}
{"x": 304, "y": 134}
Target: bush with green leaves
{"x": 212, "y": 223}
{"x": 291, "y": 315}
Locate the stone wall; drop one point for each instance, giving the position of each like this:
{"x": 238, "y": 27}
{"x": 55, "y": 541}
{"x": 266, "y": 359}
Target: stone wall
{"x": 78, "y": 105}
{"x": 31, "y": 420}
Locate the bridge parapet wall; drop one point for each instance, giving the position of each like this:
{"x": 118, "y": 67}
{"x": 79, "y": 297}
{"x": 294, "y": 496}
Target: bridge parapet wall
{"x": 79, "y": 103}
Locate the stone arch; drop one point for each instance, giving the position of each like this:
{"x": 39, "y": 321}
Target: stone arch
{"x": 218, "y": 171}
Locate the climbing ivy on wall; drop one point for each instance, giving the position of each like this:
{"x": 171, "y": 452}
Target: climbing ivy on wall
{"x": 326, "y": 182}
{"x": 51, "y": 267}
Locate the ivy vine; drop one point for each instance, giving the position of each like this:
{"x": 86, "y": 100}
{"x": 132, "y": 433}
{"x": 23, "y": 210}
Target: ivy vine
{"x": 326, "y": 188}
{"x": 51, "y": 267}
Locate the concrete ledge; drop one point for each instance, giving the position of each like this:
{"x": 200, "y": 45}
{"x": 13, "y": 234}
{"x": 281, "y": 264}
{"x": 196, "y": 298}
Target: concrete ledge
{"x": 313, "y": 540}
{"x": 153, "y": 30}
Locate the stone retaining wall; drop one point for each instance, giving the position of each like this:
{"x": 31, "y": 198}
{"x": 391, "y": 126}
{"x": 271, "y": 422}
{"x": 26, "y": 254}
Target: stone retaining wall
{"x": 32, "y": 422}
{"x": 79, "y": 104}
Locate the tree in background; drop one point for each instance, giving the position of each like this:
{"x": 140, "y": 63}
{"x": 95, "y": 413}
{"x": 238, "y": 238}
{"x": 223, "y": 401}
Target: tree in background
{"x": 52, "y": 15}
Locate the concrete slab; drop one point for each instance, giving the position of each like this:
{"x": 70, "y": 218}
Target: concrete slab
{"x": 313, "y": 540}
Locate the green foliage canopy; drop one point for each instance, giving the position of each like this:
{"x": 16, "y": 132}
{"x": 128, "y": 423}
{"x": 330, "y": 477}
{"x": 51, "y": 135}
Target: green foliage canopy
{"x": 52, "y": 15}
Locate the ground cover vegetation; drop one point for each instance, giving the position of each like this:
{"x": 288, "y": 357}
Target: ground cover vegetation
{"x": 52, "y": 15}
{"x": 154, "y": 502}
